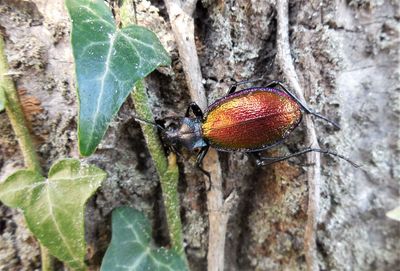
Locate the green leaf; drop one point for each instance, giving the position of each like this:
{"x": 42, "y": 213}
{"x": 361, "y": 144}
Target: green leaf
{"x": 54, "y": 207}
{"x": 108, "y": 63}
{"x": 2, "y": 99}
{"x": 130, "y": 247}
{"x": 394, "y": 214}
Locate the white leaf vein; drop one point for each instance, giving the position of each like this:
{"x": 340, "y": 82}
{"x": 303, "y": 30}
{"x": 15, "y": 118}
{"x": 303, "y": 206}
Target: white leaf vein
{"x": 19, "y": 188}
{"x": 102, "y": 82}
{"x": 99, "y": 18}
{"x": 51, "y": 213}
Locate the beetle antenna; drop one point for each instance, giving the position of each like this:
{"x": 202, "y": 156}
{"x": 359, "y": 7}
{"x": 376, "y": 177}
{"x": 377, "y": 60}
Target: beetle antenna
{"x": 325, "y": 119}
{"x": 262, "y": 161}
{"x": 299, "y": 102}
{"x": 147, "y": 122}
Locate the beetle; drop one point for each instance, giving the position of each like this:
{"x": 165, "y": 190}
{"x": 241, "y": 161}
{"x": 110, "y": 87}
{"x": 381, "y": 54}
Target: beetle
{"x": 250, "y": 120}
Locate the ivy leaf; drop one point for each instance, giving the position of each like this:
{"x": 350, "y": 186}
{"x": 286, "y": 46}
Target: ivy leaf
{"x": 54, "y": 206}
{"x": 108, "y": 63}
{"x": 130, "y": 247}
{"x": 2, "y": 99}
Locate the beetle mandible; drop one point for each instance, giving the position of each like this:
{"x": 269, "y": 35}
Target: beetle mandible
{"x": 250, "y": 120}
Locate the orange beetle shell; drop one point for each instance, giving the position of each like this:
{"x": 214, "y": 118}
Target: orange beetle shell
{"x": 250, "y": 120}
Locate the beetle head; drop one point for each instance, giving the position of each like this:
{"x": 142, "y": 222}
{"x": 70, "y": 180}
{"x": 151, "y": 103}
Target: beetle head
{"x": 180, "y": 132}
{"x": 170, "y": 130}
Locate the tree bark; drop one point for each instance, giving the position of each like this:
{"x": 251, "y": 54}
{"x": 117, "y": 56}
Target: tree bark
{"x": 345, "y": 55}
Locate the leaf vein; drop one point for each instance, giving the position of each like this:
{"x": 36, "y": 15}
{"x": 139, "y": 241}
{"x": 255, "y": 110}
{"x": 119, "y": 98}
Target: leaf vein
{"x": 69, "y": 178}
{"x": 91, "y": 45}
{"x": 134, "y": 40}
{"x": 133, "y": 46}
{"x": 131, "y": 228}
{"x": 19, "y": 188}
{"x": 103, "y": 78}
{"x": 70, "y": 251}
{"x": 97, "y": 16}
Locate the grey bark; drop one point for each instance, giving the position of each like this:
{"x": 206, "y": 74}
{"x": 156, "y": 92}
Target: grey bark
{"x": 346, "y": 56}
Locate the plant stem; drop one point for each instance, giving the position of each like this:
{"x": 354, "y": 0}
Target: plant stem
{"x": 18, "y": 123}
{"x": 169, "y": 187}
{"x": 16, "y": 115}
{"x": 167, "y": 170}
{"x": 47, "y": 259}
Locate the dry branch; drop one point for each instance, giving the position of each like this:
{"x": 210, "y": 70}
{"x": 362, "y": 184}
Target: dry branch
{"x": 182, "y": 24}
{"x": 313, "y": 173}
{"x": 218, "y": 213}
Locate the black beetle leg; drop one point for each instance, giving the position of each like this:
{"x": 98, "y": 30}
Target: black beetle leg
{"x": 201, "y": 155}
{"x": 195, "y": 109}
{"x": 174, "y": 150}
{"x": 259, "y": 159}
{"x": 199, "y": 161}
{"x": 208, "y": 182}
{"x": 305, "y": 108}
{"x": 233, "y": 87}
{"x": 264, "y": 161}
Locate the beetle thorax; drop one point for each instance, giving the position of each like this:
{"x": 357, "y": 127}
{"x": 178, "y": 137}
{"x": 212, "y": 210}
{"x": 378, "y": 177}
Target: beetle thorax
{"x": 184, "y": 132}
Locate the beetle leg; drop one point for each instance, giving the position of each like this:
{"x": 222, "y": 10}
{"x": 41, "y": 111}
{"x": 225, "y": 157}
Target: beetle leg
{"x": 233, "y": 87}
{"x": 174, "y": 150}
{"x": 199, "y": 160}
{"x": 263, "y": 161}
{"x": 201, "y": 155}
{"x": 195, "y": 109}
{"x": 205, "y": 172}
{"x": 160, "y": 123}
{"x": 275, "y": 83}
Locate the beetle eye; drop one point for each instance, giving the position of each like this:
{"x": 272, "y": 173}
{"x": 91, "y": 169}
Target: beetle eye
{"x": 160, "y": 122}
{"x": 172, "y": 126}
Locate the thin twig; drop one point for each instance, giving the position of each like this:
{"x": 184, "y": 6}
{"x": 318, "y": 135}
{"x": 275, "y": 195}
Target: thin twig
{"x": 218, "y": 214}
{"x": 313, "y": 174}
{"x": 189, "y": 6}
{"x": 182, "y": 24}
